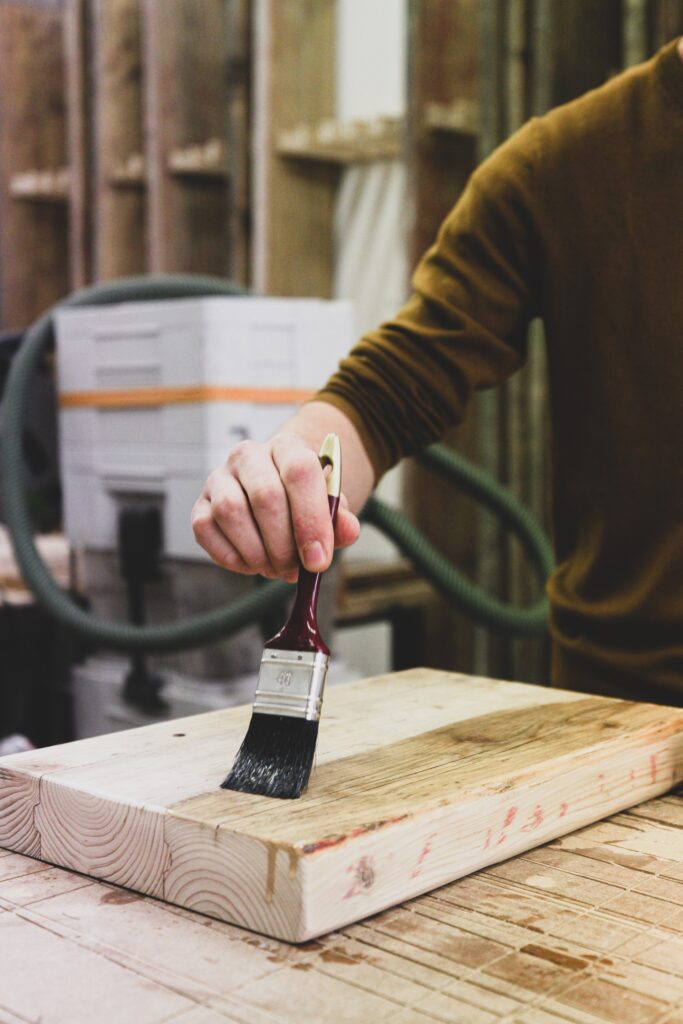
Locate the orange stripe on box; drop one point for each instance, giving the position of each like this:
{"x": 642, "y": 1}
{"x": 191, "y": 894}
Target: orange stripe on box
{"x": 174, "y": 396}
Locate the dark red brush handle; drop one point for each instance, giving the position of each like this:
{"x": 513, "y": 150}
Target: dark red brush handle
{"x": 301, "y": 631}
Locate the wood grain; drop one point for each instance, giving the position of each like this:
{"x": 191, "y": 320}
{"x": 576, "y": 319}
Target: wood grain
{"x": 421, "y": 777}
{"x": 119, "y": 241}
{"x": 443, "y": 68}
{"x": 78, "y": 122}
{"x": 33, "y": 235}
{"x": 186, "y": 98}
{"x": 585, "y": 930}
{"x": 293, "y": 200}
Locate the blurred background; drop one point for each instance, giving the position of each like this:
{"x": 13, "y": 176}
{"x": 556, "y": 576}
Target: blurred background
{"x": 302, "y": 149}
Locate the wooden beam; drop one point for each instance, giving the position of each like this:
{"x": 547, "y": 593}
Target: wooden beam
{"x": 421, "y": 778}
{"x": 239, "y": 30}
{"x": 443, "y": 76}
{"x": 186, "y": 104}
{"x": 34, "y": 263}
{"x": 120, "y": 222}
{"x": 294, "y": 200}
{"x": 77, "y": 30}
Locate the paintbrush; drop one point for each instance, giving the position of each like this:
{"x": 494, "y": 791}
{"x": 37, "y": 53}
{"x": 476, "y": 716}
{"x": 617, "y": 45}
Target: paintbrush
{"x": 276, "y": 756}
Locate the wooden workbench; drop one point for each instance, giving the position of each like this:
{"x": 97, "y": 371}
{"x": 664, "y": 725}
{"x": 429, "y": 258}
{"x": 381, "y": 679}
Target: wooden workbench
{"x": 587, "y": 929}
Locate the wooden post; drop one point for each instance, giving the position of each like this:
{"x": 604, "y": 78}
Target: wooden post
{"x": 239, "y": 37}
{"x": 294, "y": 199}
{"x": 442, "y": 139}
{"x": 33, "y": 206}
{"x": 119, "y": 194}
{"x": 186, "y": 102}
{"x": 666, "y": 22}
{"x": 79, "y": 123}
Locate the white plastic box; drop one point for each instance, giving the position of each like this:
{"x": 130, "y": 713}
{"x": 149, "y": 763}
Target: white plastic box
{"x": 206, "y": 373}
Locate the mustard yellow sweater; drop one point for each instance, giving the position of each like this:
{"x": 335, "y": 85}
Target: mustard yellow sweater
{"x": 578, "y": 218}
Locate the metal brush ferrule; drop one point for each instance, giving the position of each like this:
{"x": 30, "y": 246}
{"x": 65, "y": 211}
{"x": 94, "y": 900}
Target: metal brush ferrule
{"x": 291, "y": 683}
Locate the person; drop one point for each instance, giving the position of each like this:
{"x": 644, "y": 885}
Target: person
{"x": 578, "y": 219}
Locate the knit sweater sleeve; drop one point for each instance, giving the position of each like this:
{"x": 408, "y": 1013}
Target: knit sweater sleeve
{"x": 464, "y": 326}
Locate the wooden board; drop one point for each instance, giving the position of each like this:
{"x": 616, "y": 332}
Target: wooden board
{"x": 120, "y": 238}
{"x": 443, "y": 55}
{"x": 585, "y": 930}
{"x": 34, "y": 260}
{"x": 186, "y": 101}
{"x": 293, "y": 204}
{"x": 422, "y": 777}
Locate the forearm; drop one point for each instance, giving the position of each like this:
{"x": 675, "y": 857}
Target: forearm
{"x": 316, "y": 419}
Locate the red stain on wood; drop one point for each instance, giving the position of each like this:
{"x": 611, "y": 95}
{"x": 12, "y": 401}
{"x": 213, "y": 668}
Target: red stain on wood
{"x": 329, "y": 841}
{"x": 535, "y": 820}
{"x": 510, "y": 817}
{"x": 424, "y": 853}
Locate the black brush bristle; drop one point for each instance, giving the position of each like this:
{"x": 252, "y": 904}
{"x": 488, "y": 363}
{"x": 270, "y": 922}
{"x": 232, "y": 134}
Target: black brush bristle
{"x": 276, "y": 757}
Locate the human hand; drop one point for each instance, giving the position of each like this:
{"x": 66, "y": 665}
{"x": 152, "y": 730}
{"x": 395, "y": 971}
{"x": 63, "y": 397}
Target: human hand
{"x": 266, "y": 510}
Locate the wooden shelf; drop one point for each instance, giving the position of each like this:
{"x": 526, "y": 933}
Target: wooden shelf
{"x": 186, "y": 99}
{"x": 118, "y": 163}
{"x": 293, "y": 199}
{"x": 369, "y": 591}
{"x": 46, "y": 186}
{"x": 209, "y": 160}
{"x": 461, "y": 117}
{"x": 129, "y": 173}
{"x": 338, "y": 143}
{"x": 34, "y": 213}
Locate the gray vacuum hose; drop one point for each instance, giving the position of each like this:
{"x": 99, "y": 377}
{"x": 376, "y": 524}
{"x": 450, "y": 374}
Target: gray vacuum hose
{"x": 211, "y": 626}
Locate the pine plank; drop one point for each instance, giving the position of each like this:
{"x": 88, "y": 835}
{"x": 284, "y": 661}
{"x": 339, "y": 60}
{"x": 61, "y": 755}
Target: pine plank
{"x": 185, "y": 100}
{"x": 421, "y": 777}
{"x": 479, "y": 946}
{"x": 293, "y": 205}
{"x": 119, "y": 211}
{"x": 33, "y": 235}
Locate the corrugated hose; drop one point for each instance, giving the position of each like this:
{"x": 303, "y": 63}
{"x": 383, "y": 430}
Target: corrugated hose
{"x": 223, "y": 621}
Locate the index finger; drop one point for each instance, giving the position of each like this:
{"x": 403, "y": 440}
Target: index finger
{"x": 304, "y": 483}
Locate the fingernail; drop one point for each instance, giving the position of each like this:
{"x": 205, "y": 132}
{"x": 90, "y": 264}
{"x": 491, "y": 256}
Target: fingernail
{"x": 314, "y": 555}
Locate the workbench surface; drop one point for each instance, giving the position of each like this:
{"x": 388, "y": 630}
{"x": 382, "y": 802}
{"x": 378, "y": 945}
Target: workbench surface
{"x": 586, "y": 929}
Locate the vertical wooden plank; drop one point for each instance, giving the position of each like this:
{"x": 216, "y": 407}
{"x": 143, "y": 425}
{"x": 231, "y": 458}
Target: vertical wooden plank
{"x": 119, "y": 191}
{"x": 294, "y": 198}
{"x": 491, "y": 652}
{"x": 443, "y": 70}
{"x": 591, "y": 28}
{"x": 635, "y": 31}
{"x": 524, "y": 434}
{"x": 666, "y": 18}
{"x": 239, "y": 40}
{"x": 33, "y": 234}
{"x": 184, "y": 43}
{"x": 78, "y": 95}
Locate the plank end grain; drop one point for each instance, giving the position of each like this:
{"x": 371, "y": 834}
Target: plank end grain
{"x": 422, "y": 777}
